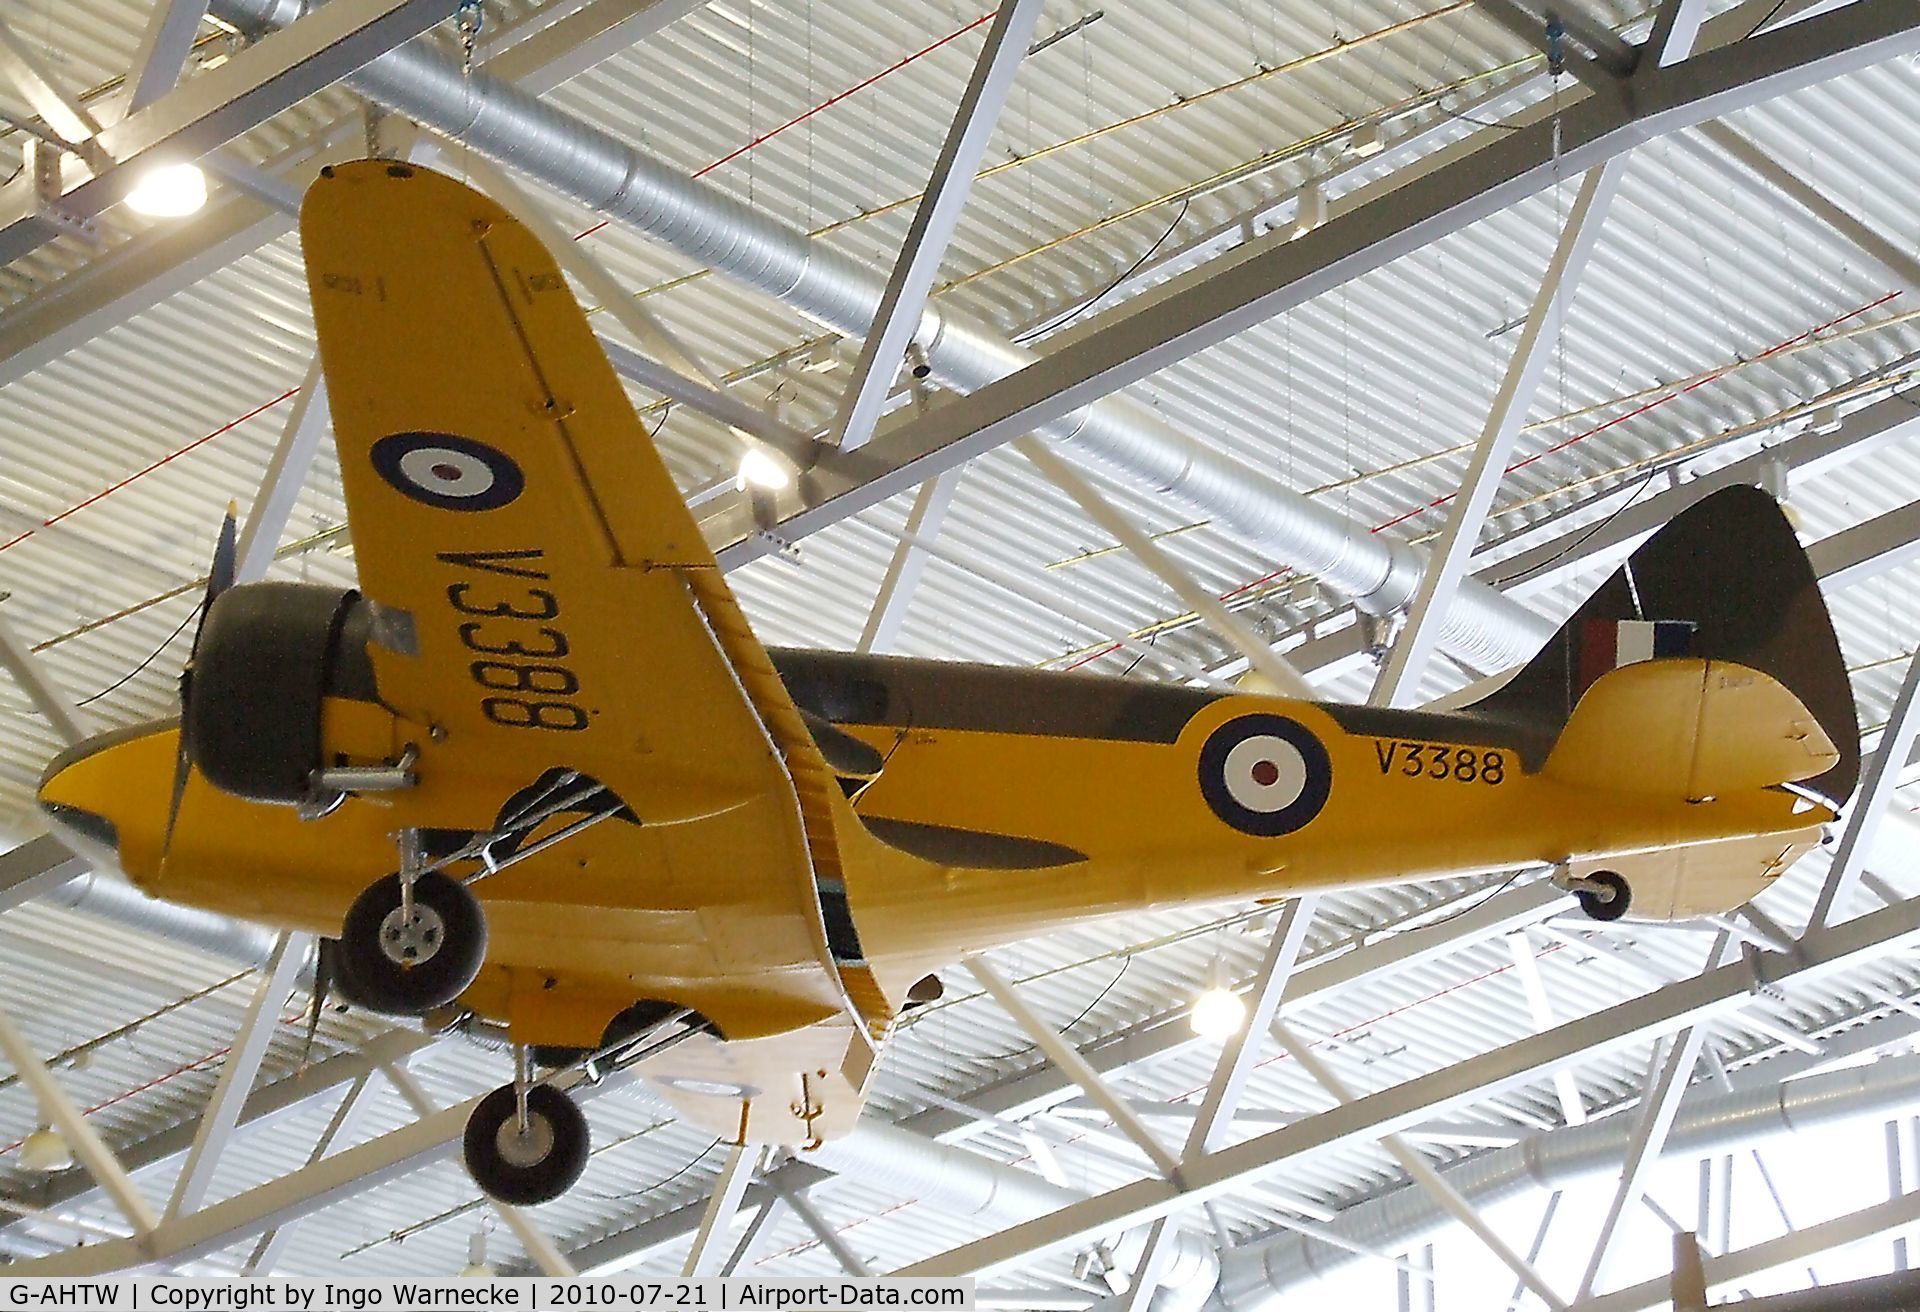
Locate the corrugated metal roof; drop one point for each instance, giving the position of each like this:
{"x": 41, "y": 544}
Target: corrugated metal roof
{"x": 1360, "y": 398}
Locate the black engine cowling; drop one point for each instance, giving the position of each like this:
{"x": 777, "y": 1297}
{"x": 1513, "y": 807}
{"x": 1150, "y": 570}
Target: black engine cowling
{"x": 268, "y": 654}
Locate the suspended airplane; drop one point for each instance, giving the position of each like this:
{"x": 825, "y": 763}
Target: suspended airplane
{"x": 538, "y": 775}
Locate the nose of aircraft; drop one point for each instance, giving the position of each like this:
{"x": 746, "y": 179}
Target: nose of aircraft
{"x": 99, "y": 797}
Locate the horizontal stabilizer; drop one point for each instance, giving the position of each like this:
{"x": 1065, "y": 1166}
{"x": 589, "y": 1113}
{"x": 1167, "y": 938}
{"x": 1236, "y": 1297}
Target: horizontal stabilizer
{"x": 1690, "y": 729}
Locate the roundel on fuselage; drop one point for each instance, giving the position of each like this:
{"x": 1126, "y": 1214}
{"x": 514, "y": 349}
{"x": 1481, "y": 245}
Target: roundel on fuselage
{"x": 1265, "y": 774}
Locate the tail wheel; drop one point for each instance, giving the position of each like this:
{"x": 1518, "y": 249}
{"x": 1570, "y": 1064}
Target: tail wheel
{"x": 408, "y": 965}
{"x": 1609, "y": 901}
{"x": 530, "y": 1164}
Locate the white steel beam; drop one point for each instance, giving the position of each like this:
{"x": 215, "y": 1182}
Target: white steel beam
{"x": 1441, "y": 1092}
{"x": 905, "y": 299}
{"x": 51, "y": 702}
{"x": 908, "y": 563}
{"x": 1789, "y": 1250}
{"x": 1526, "y": 967}
{"x": 1869, "y": 807}
{"x": 1399, "y": 681}
{"x": 237, "y": 1072}
{"x": 85, "y": 1141}
{"x": 1144, "y": 549}
{"x": 268, "y": 76}
{"x": 1675, "y": 29}
{"x": 830, "y": 1239}
{"x": 1063, "y": 1055}
{"x": 286, "y": 474}
{"x": 1422, "y": 1172}
{"x": 1272, "y": 274}
{"x": 1658, "y": 1106}
{"x": 22, "y": 65}
{"x": 1742, "y": 150}
{"x": 1229, "y": 1082}
{"x": 34, "y": 867}
{"x": 1533, "y": 1249}
{"x": 716, "y": 1223}
{"x": 545, "y": 1254}
{"x": 346, "y": 1118}
{"x": 164, "y": 47}
{"x": 537, "y": 54}
{"x": 755, "y": 1237}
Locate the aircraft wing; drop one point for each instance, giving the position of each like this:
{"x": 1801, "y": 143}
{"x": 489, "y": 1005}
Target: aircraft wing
{"x": 544, "y": 597}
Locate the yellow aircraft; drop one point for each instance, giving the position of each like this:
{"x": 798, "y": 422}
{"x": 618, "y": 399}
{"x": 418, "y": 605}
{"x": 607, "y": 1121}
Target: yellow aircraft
{"x": 538, "y": 774}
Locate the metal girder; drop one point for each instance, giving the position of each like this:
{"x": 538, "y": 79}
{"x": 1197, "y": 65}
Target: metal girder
{"x": 1400, "y": 678}
{"x": 1840, "y": 560}
{"x": 934, "y": 219}
{"x": 21, "y": 65}
{"x": 1675, "y": 29}
{"x": 1869, "y": 804}
{"x": 1792, "y": 1249}
{"x": 237, "y": 1073}
{"x": 164, "y": 47}
{"x": 830, "y": 1239}
{"x": 1141, "y": 547}
{"x": 286, "y": 474}
{"x": 345, "y": 1120}
{"x": 1269, "y": 275}
{"x": 1810, "y": 454}
{"x": 1664, "y": 1010}
{"x": 1063, "y": 1054}
{"x": 907, "y": 564}
{"x": 1526, "y": 968}
{"x": 1658, "y": 1105}
{"x": 81, "y": 1137}
{"x": 1423, "y": 1174}
{"x": 1894, "y": 258}
{"x": 34, "y": 867}
{"x": 272, "y": 74}
{"x": 51, "y": 702}
{"x": 537, "y": 54}
{"x": 723, "y": 1204}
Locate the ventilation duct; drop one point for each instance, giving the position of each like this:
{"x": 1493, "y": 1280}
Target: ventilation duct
{"x": 1487, "y": 631}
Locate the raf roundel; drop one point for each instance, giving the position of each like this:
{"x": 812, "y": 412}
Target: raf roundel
{"x": 1265, "y": 774}
{"x": 448, "y": 472}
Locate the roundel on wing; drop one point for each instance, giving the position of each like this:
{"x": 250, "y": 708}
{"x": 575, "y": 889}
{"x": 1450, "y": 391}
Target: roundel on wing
{"x": 1265, "y": 774}
{"x": 448, "y": 472}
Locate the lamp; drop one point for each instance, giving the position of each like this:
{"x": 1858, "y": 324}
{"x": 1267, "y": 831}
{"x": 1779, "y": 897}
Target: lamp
{"x": 169, "y": 191}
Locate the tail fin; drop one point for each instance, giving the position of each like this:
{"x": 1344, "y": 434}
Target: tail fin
{"x": 1733, "y": 584}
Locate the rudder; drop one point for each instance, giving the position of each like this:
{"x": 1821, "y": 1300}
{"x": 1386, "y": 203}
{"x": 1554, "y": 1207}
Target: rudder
{"x": 1727, "y": 580}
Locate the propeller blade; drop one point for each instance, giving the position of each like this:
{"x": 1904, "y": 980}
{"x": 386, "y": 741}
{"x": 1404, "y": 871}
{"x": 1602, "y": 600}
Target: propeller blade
{"x": 220, "y": 577}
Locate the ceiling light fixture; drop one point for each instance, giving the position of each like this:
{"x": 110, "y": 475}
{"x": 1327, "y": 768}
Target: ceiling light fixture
{"x": 169, "y": 191}
{"x": 760, "y": 470}
{"x": 46, "y": 1151}
{"x": 1219, "y": 1012}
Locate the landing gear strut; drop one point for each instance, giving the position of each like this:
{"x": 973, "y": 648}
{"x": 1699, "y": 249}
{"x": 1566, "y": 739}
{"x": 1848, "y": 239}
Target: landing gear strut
{"x": 415, "y": 940}
{"x": 526, "y": 1143}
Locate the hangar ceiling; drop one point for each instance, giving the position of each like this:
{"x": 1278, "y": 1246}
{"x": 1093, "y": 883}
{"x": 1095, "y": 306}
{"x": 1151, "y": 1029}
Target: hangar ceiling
{"x": 1277, "y": 286}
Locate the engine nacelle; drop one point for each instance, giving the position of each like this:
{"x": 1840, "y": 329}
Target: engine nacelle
{"x": 268, "y": 654}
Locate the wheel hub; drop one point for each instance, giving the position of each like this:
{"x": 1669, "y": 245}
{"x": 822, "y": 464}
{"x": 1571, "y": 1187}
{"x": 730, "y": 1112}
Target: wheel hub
{"x": 412, "y": 941}
{"x": 524, "y": 1148}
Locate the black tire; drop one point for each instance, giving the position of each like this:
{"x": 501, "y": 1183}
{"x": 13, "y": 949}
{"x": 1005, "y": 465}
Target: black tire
{"x": 1610, "y": 906}
{"x": 412, "y": 979}
{"x": 542, "y": 1169}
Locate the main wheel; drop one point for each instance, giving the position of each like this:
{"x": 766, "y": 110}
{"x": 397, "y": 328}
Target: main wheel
{"x": 534, "y": 1165}
{"x": 409, "y": 967}
{"x": 1610, "y": 905}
